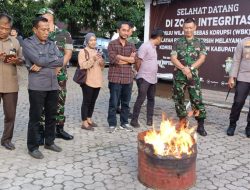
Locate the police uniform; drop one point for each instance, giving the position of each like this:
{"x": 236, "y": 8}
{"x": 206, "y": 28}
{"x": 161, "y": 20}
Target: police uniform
{"x": 240, "y": 71}
{"x": 63, "y": 40}
{"x": 187, "y": 52}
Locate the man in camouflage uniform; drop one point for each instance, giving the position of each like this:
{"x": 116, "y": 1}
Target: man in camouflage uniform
{"x": 63, "y": 40}
{"x": 188, "y": 54}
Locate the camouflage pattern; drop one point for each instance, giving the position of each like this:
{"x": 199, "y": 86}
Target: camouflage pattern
{"x": 63, "y": 40}
{"x": 187, "y": 53}
{"x": 45, "y": 10}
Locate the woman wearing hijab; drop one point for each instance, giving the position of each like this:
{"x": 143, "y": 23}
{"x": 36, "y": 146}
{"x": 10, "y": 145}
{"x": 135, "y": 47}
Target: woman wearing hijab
{"x": 90, "y": 90}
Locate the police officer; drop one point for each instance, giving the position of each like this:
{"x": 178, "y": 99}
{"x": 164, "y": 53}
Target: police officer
{"x": 188, "y": 54}
{"x": 63, "y": 40}
{"x": 240, "y": 73}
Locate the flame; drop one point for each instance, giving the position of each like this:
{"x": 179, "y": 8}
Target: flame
{"x": 172, "y": 140}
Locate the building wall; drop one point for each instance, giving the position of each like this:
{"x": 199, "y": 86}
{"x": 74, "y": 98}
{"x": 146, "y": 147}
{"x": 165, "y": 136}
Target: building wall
{"x": 221, "y": 24}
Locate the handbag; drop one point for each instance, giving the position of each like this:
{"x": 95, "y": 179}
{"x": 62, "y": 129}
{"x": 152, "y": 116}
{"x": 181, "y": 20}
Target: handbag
{"x": 80, "y": 75}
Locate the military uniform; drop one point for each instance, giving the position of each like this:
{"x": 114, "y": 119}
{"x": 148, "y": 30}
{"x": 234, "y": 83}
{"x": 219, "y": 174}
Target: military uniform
{"x": 187, "y": 52}
{"x": 63, "y": 40}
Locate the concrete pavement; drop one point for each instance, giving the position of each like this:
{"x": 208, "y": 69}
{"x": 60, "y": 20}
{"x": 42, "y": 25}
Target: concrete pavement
{"x": 99, "y": 160}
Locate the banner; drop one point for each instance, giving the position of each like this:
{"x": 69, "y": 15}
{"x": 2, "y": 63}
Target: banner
{"x": 221, "y": 24}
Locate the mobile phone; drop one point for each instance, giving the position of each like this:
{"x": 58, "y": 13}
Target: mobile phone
{"x": 8, "y": 57}
{"x": 99, "y": 50}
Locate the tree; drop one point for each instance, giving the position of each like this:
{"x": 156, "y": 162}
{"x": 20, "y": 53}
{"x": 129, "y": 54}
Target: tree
{"x": 99, "y": 16}
{"x": 23, "y": 12}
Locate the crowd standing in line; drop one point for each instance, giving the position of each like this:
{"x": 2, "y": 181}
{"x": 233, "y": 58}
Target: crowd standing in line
{"x": 48, "y": 51}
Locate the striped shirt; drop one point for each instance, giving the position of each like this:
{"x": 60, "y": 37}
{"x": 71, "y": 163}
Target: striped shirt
{"x": 121, "y": 74}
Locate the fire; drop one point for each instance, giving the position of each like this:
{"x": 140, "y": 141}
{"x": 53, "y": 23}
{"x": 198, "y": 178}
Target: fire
{"x": 172, "y": 141}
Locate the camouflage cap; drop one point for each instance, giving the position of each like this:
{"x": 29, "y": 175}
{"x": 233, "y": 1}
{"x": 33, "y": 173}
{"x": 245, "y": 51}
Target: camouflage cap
{"x": 44, "y": 11}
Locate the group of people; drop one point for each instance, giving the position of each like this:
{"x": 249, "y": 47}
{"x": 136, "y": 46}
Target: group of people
{"x": 47, "y": 52}
{"x": 187, "y": 55}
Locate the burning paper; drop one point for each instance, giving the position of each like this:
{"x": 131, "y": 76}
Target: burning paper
{"x": 170, "y": 140}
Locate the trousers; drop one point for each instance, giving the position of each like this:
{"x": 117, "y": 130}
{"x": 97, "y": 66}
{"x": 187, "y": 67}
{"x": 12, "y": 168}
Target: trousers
{"x": 9, "y": 109}
{"x": 39, "y": 101}
{"x": 241, "y": 93}
{"x": 145, "y": 89}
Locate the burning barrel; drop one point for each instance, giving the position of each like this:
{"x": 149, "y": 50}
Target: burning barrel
{"x": 169, "y": 168}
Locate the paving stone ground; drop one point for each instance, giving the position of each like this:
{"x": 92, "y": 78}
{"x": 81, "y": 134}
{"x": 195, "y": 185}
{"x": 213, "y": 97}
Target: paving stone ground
{"x": 99, "y": 160}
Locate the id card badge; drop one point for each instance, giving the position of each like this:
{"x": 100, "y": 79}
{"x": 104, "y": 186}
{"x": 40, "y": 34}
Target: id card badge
{"x": 12, "y": 51}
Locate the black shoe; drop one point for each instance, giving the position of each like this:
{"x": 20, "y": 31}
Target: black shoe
{"x": 200, "y": 129}
{"x": 53, "y": 147}
{"x": 8, "y": 146}
{"x": 36, "y": 154}
{"x": 130, "y": 115}
{"x": 230, "y": 130}
{"x": 149, "y": 123}
{"x": 134, "y": 123}
{"x": 60, "y": 133}
{"x": 126, "y": 127}
{"x": 118, "y": 110}
{"x": 248, "y": 132}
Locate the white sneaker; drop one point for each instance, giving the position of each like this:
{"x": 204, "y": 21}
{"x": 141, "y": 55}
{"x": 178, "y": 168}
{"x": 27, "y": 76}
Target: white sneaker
{"x": 111, "y": 129}
{"x": 126, "y": 127}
